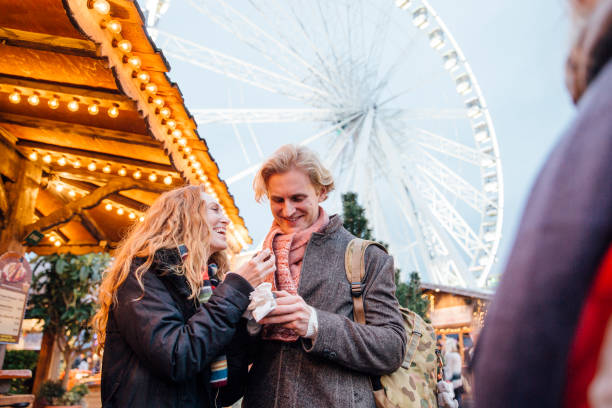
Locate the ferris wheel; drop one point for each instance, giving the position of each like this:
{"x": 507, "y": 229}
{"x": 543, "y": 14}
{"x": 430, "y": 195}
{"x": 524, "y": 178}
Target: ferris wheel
{"x": 380, "y": 89}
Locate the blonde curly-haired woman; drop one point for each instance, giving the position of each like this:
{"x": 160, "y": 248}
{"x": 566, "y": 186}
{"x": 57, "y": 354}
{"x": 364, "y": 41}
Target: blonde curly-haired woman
{"x": 159, "y": 322}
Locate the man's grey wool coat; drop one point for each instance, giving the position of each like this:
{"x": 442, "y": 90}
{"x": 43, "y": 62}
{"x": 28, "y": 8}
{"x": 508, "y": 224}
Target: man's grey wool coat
{"x": 333, "y": 370}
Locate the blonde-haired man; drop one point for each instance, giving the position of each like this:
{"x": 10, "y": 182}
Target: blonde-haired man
{"x": 310, "y": 352}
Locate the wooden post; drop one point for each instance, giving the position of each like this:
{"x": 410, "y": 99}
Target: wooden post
{"x": 18, "y": 210}
{"x": 45, "y": 360}
{"x": 21, "y": 203}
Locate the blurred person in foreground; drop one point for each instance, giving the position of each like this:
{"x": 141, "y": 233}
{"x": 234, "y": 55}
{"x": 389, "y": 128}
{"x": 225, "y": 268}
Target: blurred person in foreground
{"x": 310, "y": 352}
{"x": 160, "y": 322}
{"x": 547, "y": 339}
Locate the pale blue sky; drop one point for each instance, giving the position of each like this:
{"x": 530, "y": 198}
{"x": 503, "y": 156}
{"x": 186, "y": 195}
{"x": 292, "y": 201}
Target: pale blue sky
{"x": 516, "y": 50}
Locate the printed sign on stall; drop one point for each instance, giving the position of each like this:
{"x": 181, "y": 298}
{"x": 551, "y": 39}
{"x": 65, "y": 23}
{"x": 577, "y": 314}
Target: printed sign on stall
{"x": 15, "y": 279}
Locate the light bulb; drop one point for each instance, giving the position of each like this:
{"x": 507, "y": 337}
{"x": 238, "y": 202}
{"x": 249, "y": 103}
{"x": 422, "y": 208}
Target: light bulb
{"x": 53, "y": 103}
{"x": 165, "y": 113}
{"x": 108, "y": 207}
{"x": 137, "y": 174}
{"x": 76, "y": 164}
{"x": 93, "y": 109}
{"x": 151, "y": 88}
{"x": 203, "y": 179}
{"x": 187, "y": 149}
{"x": 158, "y": 101}
{"x": 131, "y": 216}
{"x": 92, "y": 166}
{"x": 197, "y": 165}
{"x": 192, "y": 157}
{"x": 73, "y": 105}
{"x": 52, "y": 238}
{"x": 62, "y": 161}
{"x": 120, "y": 211}
{"x": 101, "y": 6}
{"x": 15, "y": 97}
{"x": 168, "y": 180}
{"x": 59, "y": 187}
{"x": 177, "y": 133}
{"x": 141, "y": 219}
{"x": 134, "y": 61}
{"x": 107, "y": 169}
{"x": 47, "y": 158}
{"x": 34, "y": 99}
{"x": 152, "y": 177}
{"x": 33, "y": 156}
{"x": 144, "y": 77}
{"x": 171, "y": 123}
{"x": 199, "y": 172}
{"x": 125, "y": 46}
{"x": 57, "y": 243}
{"x": 122, "y": 171}
{"x": 114, "y": 26}
{"x": 72, "y": 193}
{"x": 113, "y": 111}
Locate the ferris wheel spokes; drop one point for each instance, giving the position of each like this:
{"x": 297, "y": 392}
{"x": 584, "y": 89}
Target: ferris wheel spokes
{"x": 449, "y": 180}
{"x": 236, "y": 116}
{"x": 235, "y": 68}
{"x": 448, "y": 147}
{"x": 449, "y": 218}
{"x": 254, "y": 36}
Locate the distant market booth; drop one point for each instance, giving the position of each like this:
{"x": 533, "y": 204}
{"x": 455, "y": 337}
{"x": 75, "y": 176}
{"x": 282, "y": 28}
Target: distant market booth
{"x": 91, "y": 131}
{"x": 457, "y": 312}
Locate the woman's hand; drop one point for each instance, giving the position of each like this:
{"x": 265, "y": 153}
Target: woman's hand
{"x": 257, "y": 268}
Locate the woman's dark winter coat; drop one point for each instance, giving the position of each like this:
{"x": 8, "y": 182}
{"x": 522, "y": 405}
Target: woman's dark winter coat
{"x": 159, "y": 347}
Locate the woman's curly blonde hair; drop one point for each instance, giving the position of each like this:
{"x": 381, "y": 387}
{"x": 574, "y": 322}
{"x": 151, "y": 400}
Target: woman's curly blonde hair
{"x": 176, "y": 217}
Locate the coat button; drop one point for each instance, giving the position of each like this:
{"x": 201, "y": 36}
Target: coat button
{"x": 332, "y": 355}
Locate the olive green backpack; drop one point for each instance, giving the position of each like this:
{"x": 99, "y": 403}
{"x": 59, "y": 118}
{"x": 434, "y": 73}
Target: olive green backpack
{"x": 414, "y": 383}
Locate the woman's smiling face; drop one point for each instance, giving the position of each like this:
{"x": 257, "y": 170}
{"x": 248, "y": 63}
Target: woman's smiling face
{"x": 218, "y": 223}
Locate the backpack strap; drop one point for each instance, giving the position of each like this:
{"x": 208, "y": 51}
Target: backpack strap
{"x": 415, "y": 337}
{"x": 354, "y": 266}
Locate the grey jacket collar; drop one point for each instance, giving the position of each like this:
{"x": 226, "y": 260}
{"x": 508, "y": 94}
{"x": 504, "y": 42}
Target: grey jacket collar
{"x": 335, "y": 223}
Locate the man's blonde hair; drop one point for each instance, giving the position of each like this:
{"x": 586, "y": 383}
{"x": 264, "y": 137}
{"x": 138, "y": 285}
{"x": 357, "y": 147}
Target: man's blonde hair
{"x": 289, "y": 157}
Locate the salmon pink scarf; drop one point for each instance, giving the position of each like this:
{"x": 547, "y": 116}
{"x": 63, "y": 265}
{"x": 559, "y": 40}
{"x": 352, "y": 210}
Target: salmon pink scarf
{"x": 289, "y": 251}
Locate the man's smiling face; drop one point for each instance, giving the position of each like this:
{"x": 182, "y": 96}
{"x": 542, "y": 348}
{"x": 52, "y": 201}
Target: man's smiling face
{"x": 294, "y": 201}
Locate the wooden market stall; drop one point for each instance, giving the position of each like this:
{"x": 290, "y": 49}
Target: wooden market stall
{"x": 456, "y": 312}
{"x": 91, "y": 128}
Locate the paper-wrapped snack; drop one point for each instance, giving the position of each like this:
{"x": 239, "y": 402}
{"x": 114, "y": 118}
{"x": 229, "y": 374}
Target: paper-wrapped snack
{"x": 262, "y": 301}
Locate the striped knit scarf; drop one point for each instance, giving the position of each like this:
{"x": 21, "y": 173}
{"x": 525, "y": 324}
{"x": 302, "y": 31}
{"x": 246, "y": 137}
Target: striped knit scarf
{"x": 289, "y": 251}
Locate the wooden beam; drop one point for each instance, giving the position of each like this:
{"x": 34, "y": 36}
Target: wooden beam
{"x": 116, "y": 197}
{"x": 76, "y": 249}
{"x": 90, "y": 132}
{"x": 102, "y": 157}
{"x": 22, "y": 199}
{"x": 11, "y": 82}
{"x": 67, "y": 213}
{"x": 52, "y": 66}
{"x": 92, "y": 226}
{"x": 11, "y": 160}
{"x": 47, "y": 42}
{"x": 4, "y": 206}
{"x": 98, "y": 177}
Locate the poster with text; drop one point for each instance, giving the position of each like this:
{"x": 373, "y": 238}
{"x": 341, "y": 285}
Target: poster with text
{"x": 15, "y": 279}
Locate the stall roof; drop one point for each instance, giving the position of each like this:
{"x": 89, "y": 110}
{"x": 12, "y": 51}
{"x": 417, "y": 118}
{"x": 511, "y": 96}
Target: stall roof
{"x": 480, "y": 294}
{"x": 84, "y": 93}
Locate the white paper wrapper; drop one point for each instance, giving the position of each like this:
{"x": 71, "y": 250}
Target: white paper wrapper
{"x": 262, "y": 301}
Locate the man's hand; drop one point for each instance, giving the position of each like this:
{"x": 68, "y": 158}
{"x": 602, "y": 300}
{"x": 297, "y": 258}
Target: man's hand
{"x": 291, "y": 312}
